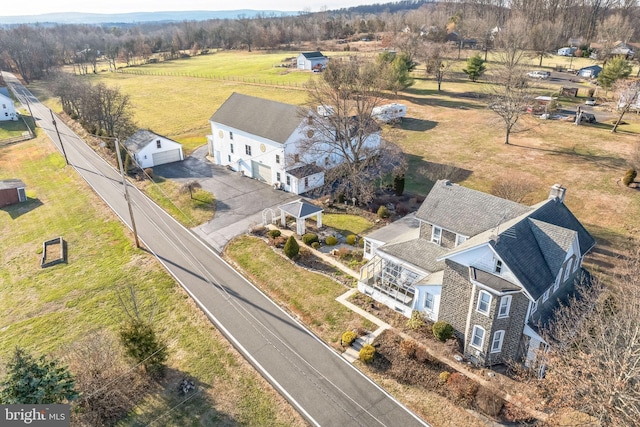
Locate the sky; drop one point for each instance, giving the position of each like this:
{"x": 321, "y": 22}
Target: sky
{"x": 37, "y": 7}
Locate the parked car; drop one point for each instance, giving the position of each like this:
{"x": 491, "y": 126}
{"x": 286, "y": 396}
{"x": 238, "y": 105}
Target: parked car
{"x": 587, "y": 117}
{"x": 539, "y": 74}
{"x": 590, "y": 101}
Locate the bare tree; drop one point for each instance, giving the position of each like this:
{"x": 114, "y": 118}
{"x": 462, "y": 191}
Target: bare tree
{"x": 436, "y": 57}
{"x": 628, "y": 93}
{"x": 514, "y": 188}
{"x": 543, "y": 39}
{"x": 593, "y": 364}
{"x": 345, "y": 138}
{"x": 190, "y": 187}
{"x": 109, "y": 387}
{"x": 615, "y": 28}
{"x": 634, "y": 160}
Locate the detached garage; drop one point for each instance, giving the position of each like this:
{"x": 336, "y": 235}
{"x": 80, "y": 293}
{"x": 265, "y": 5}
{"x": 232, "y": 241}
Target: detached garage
{"x": 151, "y": 149}
{"x": 12, "y": 191}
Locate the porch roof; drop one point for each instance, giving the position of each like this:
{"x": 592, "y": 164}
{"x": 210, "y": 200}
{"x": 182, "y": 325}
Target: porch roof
{"x": 419, "y": 252}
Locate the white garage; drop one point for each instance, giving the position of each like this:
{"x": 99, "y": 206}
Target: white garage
{"x": 150, "y": 149}
{"x": 261, "y": 172}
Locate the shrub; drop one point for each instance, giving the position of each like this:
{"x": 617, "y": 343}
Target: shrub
{"x": 351, "y": 239}
{"x": 330, "y": 241}
{"x": 444, "y": 376}
{"x": 408, "y": 348}
{"x": 416, "y": 320}
{"x": 274, "y": 233}
{"x": 461, "y": 386}
{"x": 629, "y": 177}
{"x": 348, "y": 338}
{"x": 422, "y": 354}
{"x": 291, "y": 248}
{"x": 309, "y": 238}
{"x": 343, "y": 253}
{"x": 367, "y": 352}
{"x": 488, "y": 402}
{"x": 280, "y": 241}
{"x": 402, "y": 209}
{"x": 361, "y": 243}
{"x": 442, "y": 330}
{"x": 315, "y": 245}
{"x": 383, "y": 212}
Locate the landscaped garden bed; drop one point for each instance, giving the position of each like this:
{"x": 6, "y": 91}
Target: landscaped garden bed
{"x": 53, "y": 252}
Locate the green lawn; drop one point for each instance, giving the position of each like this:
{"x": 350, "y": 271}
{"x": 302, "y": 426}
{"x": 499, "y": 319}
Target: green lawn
{"x": 44, "y": 310}
{"x": 11, "y": 129}
{"x": 311, "y": 296}
{"x": 346, "y": 224}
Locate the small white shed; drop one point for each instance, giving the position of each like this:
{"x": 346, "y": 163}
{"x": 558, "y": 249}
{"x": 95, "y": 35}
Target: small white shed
{"x": 7, "y": 109}
{"x": 312, "y": 61}
{"x": 151, "y": 149}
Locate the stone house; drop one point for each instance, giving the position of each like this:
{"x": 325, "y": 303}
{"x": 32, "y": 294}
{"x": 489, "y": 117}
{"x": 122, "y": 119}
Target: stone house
{"x": 492, "y": 268}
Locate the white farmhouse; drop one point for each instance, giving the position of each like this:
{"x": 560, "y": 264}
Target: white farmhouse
{"x": 262, "y": 139}
{"x": 7, "y": 109}
{"x": 150, "y": 149}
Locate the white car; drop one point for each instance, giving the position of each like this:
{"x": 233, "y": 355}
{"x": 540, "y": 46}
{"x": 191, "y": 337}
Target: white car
{"x": 590, "y": 101}
{"x": 539, "y": 74}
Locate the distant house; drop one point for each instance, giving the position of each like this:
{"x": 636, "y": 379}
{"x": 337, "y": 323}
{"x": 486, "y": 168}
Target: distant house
{"x": 567, "y": 51}
{"x": 150, "y": 149}
{"x": 7, "y": 109}
{"x": 12, "y": 191}
{"x": 262, "y": 139}
{"x": 311, "y": 61}
{"x": 492, "y": 268}
{"x": 601, "y": 50}
{"x": 590, "y": 72}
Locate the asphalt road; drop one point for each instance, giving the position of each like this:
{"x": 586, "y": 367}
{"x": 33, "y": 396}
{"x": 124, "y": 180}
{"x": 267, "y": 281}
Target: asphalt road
{"x": 319, "y": 383}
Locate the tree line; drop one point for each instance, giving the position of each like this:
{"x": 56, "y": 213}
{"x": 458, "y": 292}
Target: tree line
{"x": 35, "y": 50}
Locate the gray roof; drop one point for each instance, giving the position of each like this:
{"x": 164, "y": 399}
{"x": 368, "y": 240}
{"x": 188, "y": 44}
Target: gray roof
{"x": 300, "y": 209}
{"x": 5, "y": 91}
{"x": 419, "y": 252}
{"x": 313, "y": 55}
{"x": 275, "y": 121}
{"x": 466, "y": 211}
{"x": 492, "y": 281}
{"x": 407, "y": 228}
{"x": 141, "y": 139}
{"x": 6, "y": 184}
{"x": 305, "y": 170}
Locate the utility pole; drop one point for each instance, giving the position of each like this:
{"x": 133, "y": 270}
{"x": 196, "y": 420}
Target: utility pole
{"x": 126, "y": 194}
{"x": 55, "y": 125}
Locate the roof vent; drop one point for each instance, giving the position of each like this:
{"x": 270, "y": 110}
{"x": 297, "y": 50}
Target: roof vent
{"x": 557, "y": 193}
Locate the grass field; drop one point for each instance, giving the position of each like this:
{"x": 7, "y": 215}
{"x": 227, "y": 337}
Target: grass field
{"x": 45, "y": 310}
{"x": 11, "y": 129}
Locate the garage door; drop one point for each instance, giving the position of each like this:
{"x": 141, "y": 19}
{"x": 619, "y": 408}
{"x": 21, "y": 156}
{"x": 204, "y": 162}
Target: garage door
{"x": 166, "y": 157}
{"x": 261, "y": 172}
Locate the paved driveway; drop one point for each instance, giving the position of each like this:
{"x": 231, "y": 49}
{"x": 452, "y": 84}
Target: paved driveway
{"x": 240, "y": 201}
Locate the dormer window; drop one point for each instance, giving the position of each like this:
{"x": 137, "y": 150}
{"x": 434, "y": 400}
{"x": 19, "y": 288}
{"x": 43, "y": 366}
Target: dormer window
{"x": 460, "y": 239}
{"x": 296, "y": 158}
{"x": 498, "y": 267}
{"x": 545, "y": 296}
{"x": 158, "y": 144}
{"x": 436, "y": 235}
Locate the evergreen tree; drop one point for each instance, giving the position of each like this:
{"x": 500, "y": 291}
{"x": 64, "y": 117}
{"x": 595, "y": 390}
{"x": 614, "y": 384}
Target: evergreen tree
{"x": 475, "y": 67}
{"x": 142, "y": 345}
{"x": 36, "y": 381}
{"x": 616, "y": 69}
{"x": 291, "y": 248}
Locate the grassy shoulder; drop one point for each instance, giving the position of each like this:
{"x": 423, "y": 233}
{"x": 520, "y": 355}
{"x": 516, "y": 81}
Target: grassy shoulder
{"x": 189, "y": 209}
{"x": 12, "y": 129}
{"x": 310, "y": 296}
{"x": 46, "y": 310}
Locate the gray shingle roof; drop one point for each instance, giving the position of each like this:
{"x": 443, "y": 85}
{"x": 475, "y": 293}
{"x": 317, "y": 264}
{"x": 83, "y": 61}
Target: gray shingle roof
{"x": 268, "y": 119}
{"x": 466, "y": 211}
{"x": 305, "y": 170}
{"x": 313, "y": 55}
{"x": 6, "y": 184}
{"x": 491, "y": 280}
{"x": 141, "y": 139}
{"x": 300, "y": 209}
{"x": 407, "y": 228}
{"x": 419, "y": 252}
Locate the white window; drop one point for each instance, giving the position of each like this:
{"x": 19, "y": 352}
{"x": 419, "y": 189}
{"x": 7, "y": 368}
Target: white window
{"x": 229, "y": 158}
{"x": 496, "y": 343}
{"x": 296, "y": 158}
{"x": 231, "y": 148}
{"x": 288, "y": 180}
{"x": 428, "y": 302}
{"x": 477, "y": 339}
{"x": 505, "y": 306}
{"x": 158, "y": 144}
{"x": 278, "y": 176}
{"x": 556, "y": 285}
{"x": 230, "y": 135}
{"x": 460, "y": 239}
{"x": 534, "y": 307}
{"x": 484, "y": 302}
{"x": 545, "y": 296}
{"x": 247, "y": 149}
{"x": 306, "y": 182}
{"x": 278, "y": 158}
{"x": 436, "y": 234}
{"x": 498, "y": 267}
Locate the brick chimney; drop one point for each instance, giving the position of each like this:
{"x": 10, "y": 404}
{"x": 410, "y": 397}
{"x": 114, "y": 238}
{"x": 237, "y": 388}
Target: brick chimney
{"x": 557, "y": 192}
